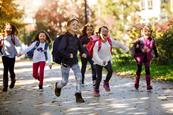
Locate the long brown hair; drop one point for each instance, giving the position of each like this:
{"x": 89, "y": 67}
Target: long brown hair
{"x": 47, "y": 36}
{"x": 13, "y": 27}
{"x": 85, "y": 29}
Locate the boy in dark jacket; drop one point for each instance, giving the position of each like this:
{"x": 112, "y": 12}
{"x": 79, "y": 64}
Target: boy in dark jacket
{"x": 69, "y": 47}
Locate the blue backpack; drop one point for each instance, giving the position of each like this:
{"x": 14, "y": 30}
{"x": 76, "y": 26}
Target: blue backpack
{"x": 31, "y": 52}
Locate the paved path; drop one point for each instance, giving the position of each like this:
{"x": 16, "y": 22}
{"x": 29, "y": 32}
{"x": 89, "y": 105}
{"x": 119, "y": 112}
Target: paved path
{"x": 26, "y": 99}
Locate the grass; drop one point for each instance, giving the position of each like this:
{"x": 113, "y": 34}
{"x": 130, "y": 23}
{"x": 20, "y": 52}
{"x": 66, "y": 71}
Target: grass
{"x": 124, "y": 65}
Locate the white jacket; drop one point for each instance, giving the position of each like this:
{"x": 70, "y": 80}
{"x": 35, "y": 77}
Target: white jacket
{"x": 104, "y": 54}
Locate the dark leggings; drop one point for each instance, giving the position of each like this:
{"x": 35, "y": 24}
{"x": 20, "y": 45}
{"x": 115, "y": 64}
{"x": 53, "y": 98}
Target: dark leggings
{"x": 8, "y": 64}
{"x": 99, "y": 69}
{"x": 139, "y": 69}
{"x": 83, "y": 68}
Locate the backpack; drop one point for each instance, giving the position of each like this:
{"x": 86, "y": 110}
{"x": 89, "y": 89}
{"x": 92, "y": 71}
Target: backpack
{"x": 57, "y": 56}
{"x": 92, "y": 42}
{"x": 136, "y": 48}
{"x": 2, "y": 42}
{"x": 30, "y": 53}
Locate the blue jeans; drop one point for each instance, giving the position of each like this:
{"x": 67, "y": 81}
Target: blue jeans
{"x": 65, "y": 76}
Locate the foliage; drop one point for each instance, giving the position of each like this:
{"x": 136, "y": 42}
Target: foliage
{"x": 10, "y": 13}
{"x": 165, "y": 43}
{"x": 54, "y": 14}
{"x": 116, "y": 14}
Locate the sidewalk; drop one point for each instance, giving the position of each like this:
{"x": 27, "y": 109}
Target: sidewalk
{"x": 26, "y": 99}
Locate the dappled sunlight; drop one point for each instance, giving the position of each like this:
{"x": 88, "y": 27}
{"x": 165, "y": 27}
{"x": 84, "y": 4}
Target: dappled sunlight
{"x": 118, "y": 105}
{"x": 122, "y": 99}
{"x": 168, "y": 106}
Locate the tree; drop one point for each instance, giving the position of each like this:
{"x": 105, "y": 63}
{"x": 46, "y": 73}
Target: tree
{"x": 117, "y": 14}
{"x": 10, "y": 13}
{"x": 54, "y": 14}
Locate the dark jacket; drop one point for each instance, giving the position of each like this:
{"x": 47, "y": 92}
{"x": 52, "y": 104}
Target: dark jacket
{"x": 70, "y": 44}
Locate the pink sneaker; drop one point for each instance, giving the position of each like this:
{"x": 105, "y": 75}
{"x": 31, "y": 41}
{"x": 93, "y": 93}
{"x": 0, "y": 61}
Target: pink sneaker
{"x": 96, "y": 93}
{"x": 106, "y": 86}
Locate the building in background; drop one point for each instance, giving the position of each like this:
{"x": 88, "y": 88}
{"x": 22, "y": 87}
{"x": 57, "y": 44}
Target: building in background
{"x": 153, "y": 10}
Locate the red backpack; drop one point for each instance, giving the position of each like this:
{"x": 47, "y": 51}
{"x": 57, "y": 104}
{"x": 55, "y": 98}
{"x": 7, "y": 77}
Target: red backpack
{"x": 91, "y": 43}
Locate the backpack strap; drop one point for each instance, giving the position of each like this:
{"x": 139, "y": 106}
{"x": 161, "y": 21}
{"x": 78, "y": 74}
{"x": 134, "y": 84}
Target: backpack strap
{"x": 99, "y": 44}
{"x": 45, "y": 50}
{"x": 110, "y": 42}
{"x": 36, "y": 45}
{"x": 13, "y": 39}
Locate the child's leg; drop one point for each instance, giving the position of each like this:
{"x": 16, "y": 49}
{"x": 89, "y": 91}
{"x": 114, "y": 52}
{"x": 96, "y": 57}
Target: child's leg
{"x": 5, "y": 73}
{"x": 93, "y": 68}
{"x": 148, "y": 79}
{"x": 109, "y": 69}
{"x": 41, "y": 72}
{"x": 83, "y": 68}
{"x": 138, "y": 74}
{"x": 108, "y": 77}
{"x": 35, "y": 70}
{"x": 11, "y": 70}
{"x": 65, "y": 76}
{"x": 99, "y": 76}
{"x": 78, "y": 77}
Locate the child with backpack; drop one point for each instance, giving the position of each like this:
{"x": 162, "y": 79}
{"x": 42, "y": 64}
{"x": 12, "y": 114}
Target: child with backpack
{"x": 145, "y": 49}
{"x": 87, "y": 32}
{"x": 39, "y": 49}
{"x": 9, "y": 50}
{"x": 102, "y": 56}
{"x": 68, "y": 49}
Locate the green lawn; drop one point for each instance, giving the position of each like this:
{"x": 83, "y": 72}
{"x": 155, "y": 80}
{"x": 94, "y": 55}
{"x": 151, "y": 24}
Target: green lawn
{"x": 125, "y": 65}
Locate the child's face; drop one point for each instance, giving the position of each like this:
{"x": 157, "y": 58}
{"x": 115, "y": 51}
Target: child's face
{"x": 104, "y": 33}
{"x": 146, "y": 32}
{"x": 8, "y": 29}
{"x": 74, "y": 26}
{"x": 89, "y": 30}
{"x": 42, "y": 37}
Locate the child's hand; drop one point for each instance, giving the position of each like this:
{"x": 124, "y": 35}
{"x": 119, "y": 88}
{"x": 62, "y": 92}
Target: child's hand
{"x": 50, "y": 66}
{"x": 18, "y": 55}
{"x": 104, "y": 63}
{"x": 71, "y": 55}
{"x": 84, "y": 55}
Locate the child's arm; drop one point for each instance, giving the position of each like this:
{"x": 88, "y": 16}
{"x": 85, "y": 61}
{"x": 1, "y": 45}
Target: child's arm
{"x": 117, "y": 44}
{"x": 18, "y": 45}
{"x": 29, "y": 47}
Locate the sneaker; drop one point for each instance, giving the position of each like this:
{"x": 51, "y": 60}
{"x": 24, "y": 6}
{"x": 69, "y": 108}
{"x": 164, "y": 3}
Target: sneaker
{"x": 79, "y": 98}
{"x": 57, "y": 90}
{"x": 149, "y": 87}
{"x": 12, "y": 83}
{"x": 106, "y": 86}
{"x": 96, "y": 93}
{"x": 5, "y": 89}
{"x": 136, "y": 86}
{"x": 40, "y": 86}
